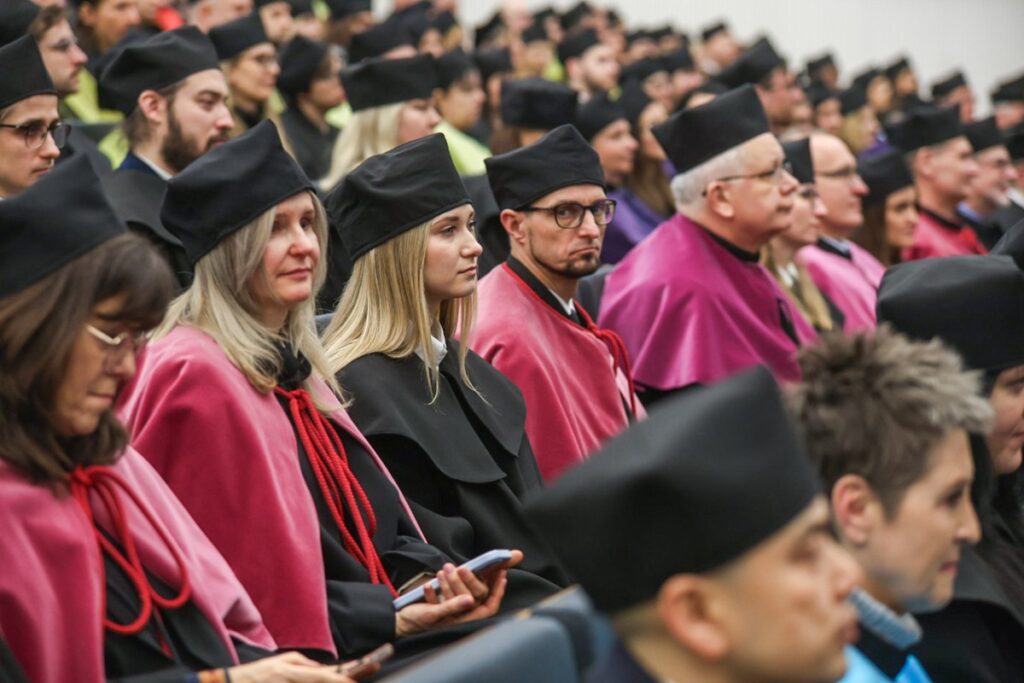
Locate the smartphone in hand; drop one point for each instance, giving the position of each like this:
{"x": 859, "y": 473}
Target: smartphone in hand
{"x": 367, "y": 665}
{"x": 478, "y": 565}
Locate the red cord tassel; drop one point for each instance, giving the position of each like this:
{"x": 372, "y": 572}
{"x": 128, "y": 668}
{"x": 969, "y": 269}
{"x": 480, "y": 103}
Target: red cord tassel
{"x": 617, "y": 347}
{"x": 339, "y": 485}
{"x": 104, "y": 482}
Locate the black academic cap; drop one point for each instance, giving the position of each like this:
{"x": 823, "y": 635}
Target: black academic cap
{"x": 973, "y": 303}
{"x": 897, "y": 67}
{"x": 544, "y": 13}
{"x": 946, "y": 85}
{"x": 300, "y": 58}
{"x": 378, "y": 40}
{"x": 692, "y": 136}
{"x": 485, "y": 31}
{"x": 1009, "y": 91}
{"x": 818, "y": 93}
{"x": 798, "y": 154}
{"x": 1012, "y": 244}
{"x": 753, "y": 65}
{"x": 490, "y": 62}
{"x": 165, "y": 59}
{"x": 300, "y": 7}
{"x": 229, "y": 187}
{"x": 642, "y": 69}
{"x": 984, "y": 134}
{"x": 15, "y": 18}
{"x": 23, "y": 74}
{"x": 535, "y": 33}
{"x": 706, "y": 478}
{"x": 639, "y": 34}
{"x": 378, "y": 82}
{"x": 853, "y": 98}
{"x": 576, "y": 44}
{"x": 575, "y": 14}
{"x": 451, "y": 66}
{"x": 711, "y": 30}
{"x": 679, "y": 60}
{"x": 1014, "y": 141}
{"x": 634, "y": 100}
{"x": 444, "y": 21}
{"x": 340, "y": 9}
{"x": 924, "y": 127}
{"x": 865, "y": 77}
{"x": 662, "y": 32}
{"x": 237, "y": 36}
{"x": 60, "y": 217}
{"x": 392, "y": 193}
{"x": 884, "y": 174}
{"x": 559, "y": 159}
{"x": 536, "y": 103}
{"x": 598, "y": 112}
{"x": 815, "y": 64}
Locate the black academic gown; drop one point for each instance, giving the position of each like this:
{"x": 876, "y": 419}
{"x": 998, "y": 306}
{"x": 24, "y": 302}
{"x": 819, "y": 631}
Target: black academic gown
{"x": 137, "y": 193}
{"x": 490, "y": 234}
{"x": 361, "y": 613}
{"x": 10, "y": 672}
{"x": 171, "y": 645}
{"x": 618, "y": 666}
{"x": 311, "y": 145}
{"x": 80, "y": 144}
{"x": 1005, "y": 217}
{"x": 339, "y": 270}
{"x": 464, "y": 463}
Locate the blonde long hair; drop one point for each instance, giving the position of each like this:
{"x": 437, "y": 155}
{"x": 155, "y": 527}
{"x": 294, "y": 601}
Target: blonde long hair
{"x": 220, "y": 302}
{"x": 384, "y": 310}
{"x": 369, "y": 132}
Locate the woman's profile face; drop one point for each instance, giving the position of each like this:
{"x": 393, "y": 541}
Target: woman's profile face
{"x": 1007, "y": 436}
{"x": 449, "y": 267}
{"x": 289, "y": 260}
{"x": 254, "y": 75}
{"x": 901, "y": 217}
{"x": 96, "y": 371}
{"x": 416, "y": 120}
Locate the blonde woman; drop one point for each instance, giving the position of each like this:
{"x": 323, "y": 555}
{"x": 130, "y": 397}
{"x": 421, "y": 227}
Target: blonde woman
{"x": 234, "y": 407}
{"x": 391, "y": 105}
{"x": 449, "y": 426}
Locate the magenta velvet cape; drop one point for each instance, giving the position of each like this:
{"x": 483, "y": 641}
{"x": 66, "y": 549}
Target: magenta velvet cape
{"x": 850, "y": 283}
{"x": 230, "y": 454}
{"x": 51, "y": 595}
{"x": 691, "y": 312}
{"x": 574, "y": 398}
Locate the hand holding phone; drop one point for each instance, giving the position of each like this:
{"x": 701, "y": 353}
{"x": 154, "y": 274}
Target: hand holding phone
{"x": 478, "y": 565}
{"x": 359, "y": 668}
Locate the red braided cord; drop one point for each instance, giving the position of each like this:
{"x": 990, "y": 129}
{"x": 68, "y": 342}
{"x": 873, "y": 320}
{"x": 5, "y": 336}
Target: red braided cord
{"x": 329, "y": 461}
{"x": 104, "y": 482}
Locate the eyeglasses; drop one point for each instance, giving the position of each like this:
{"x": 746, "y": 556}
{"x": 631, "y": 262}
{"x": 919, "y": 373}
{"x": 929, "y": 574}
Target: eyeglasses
{"x": 265, "y": 61}
{"x": 807, "y": 192}
{"x": 35, "y": 133}
{"x": 845, "y": 173}
{"x": 569, "y": 215}
{"x": 117, "y": 348}
{"x": 773, "y": 176}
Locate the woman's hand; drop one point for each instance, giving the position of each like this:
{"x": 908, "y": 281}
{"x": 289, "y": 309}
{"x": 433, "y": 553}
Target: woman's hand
{"x": 290, "y": 667}
{"x": 463, "y": 597}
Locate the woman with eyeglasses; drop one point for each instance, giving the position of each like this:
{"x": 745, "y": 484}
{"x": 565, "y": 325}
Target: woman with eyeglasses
{"x": 31, "y": 133}
{"x": 237, "y": 409}
{"x": 248, "y": 59}
{"x": 449, "y": 426}
{"x": 804, "y": 229}
{"x": 105, "y": 575}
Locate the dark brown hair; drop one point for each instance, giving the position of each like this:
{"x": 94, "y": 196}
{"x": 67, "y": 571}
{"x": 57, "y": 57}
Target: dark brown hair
{"x": 48, "y": 17}
{"x": 39, "y": 327}
{"x": 136, "y": 126}
{"x": 872, "y": 235}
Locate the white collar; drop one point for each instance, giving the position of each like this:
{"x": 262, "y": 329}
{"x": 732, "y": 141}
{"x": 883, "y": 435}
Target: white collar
{"x": 841, "y": 245}
{"x": 568, "y": 306}
{"x": 437, "y": 345}
{"x": 164, "y": 175}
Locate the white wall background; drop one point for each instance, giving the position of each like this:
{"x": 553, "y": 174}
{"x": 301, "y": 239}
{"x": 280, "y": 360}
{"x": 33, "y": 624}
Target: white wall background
{"x": 983, "y": 37}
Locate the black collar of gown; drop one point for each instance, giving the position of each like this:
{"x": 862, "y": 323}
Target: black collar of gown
{"x": 538, "y": 287}
{"x": 295, "y": 368}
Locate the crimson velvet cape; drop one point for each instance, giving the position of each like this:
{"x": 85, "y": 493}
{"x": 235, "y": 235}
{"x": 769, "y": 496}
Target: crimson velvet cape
{"x": 935, "y": 236}
{"x": 231, "y": 455}
{"x": 464, "y": 460}
{"x": 850, "y": 281}
{"x": 52, "y": 596}
{"x": 693, "y": 311}
{"x": 575, "y": 396}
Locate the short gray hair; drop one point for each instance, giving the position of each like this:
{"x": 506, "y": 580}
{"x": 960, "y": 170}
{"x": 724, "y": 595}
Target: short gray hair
{"x": 688, "y": 188}
{"x": 875, "y": 404}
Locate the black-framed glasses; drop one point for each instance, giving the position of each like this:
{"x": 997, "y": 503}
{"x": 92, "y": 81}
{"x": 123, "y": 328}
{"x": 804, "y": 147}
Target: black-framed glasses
{"x": 35, "y": 133}
{"x": 569, "y": 215}
{"x": 773, "y": 175}
{"x": 117, "y": 348}
{"x": 844, "y": 173}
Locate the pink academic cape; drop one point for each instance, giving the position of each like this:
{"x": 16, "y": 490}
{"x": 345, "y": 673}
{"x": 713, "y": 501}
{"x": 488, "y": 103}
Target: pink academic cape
{"x": 851, "y": 283}
{"x": 691, "y": 312}
{"x": 51, "y": 593}
{"x": 230, "y": 454}
{"x": 935, "y": 236}
{"x": 575, "y": 396}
